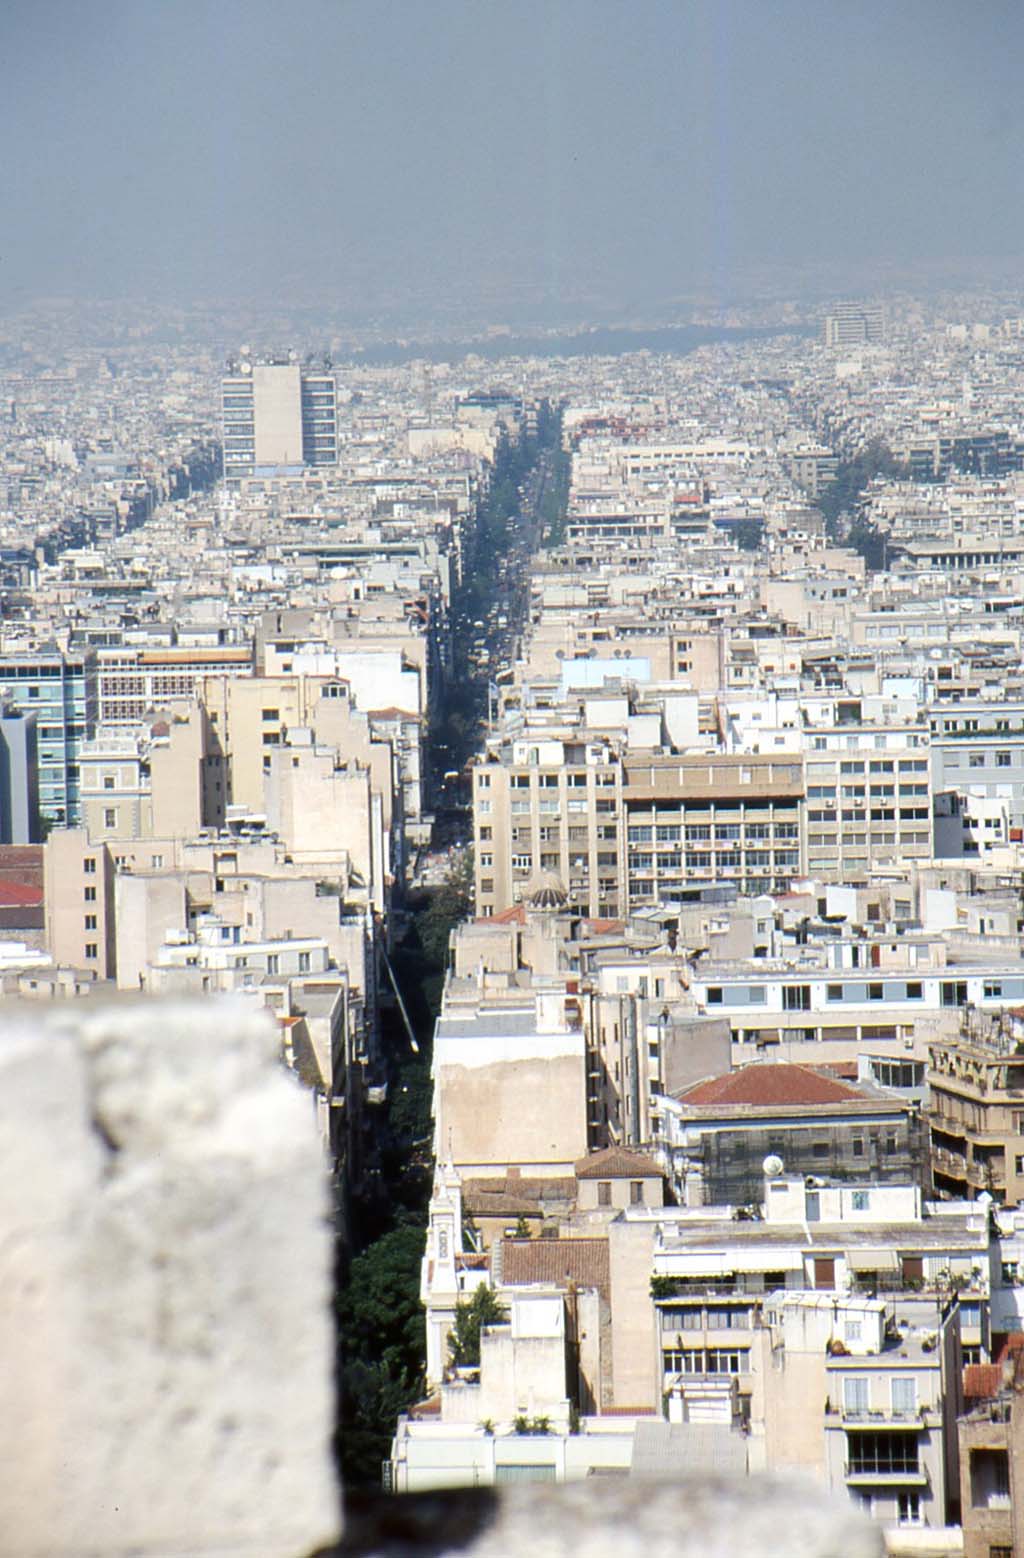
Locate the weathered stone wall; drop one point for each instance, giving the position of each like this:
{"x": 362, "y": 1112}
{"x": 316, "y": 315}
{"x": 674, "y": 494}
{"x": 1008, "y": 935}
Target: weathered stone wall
{"x": 612, "y": 1517}
{"x": 165, "y": 1272}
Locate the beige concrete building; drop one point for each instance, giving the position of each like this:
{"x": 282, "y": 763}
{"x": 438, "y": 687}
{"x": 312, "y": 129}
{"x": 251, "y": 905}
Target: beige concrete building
{"x": 991, "y": 1440}
{"x": 976, "y": 1087}
{"x": 620, "y": 829}
{"x": 165, "y": 780}
{"x": 509, "y": 1083}
{"x": 78, "y": 878}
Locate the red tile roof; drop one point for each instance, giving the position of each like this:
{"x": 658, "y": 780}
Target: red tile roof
{"x": 514, "y": 916}
{"x": 766, "y": 1083}
{"x": 557, "y": 1262}
{"x": 513, "y": 1196}
{"x": 982, "y": 1380}
{"x": 18, "y": 895}
{"x": 617, "y": 1163}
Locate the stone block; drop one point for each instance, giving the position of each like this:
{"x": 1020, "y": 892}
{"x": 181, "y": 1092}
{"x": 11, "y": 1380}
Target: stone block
{"x": 166, "y": 1344}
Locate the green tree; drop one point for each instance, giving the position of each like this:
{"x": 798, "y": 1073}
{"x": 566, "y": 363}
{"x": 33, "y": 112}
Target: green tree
{"x": 383, "y": 1349}
{"x": 749, "y": 534}
{"x": 840, "y": 498}
{"x": 448, "y": 905}
{"x": 471, "y": 1315}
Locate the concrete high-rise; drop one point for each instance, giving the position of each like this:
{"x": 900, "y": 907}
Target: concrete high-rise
{"x": 852, "y": 324}
{"x": 277, "y": 418}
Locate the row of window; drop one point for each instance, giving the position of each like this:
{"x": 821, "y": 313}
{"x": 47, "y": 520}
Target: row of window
{"x": 706, "y": 1360}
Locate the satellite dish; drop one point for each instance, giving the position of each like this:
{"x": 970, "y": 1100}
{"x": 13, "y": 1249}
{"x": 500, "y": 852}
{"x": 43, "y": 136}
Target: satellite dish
{"x": 772, "y": 1165}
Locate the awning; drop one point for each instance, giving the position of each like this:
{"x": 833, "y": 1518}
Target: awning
{"x": 868, "y": 1259}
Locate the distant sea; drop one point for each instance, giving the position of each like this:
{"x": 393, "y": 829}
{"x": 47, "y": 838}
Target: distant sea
{"x": 671, "y": 340}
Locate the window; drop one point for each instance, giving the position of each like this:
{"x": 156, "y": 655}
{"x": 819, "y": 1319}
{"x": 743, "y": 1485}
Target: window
{"x": 862, "y": 1200}
{"x": 990, "y": 1479}
{"x": 852, "y": 1330}
{"x": 855, "y": 1393}
{"x": 904, "y": 1394}
{"x": 89, "y": 865}
{"x": 271, "y": 714}
{"x": 683, "y": 1360}
{"x": 90, "y": 895}
{"x": 727, "y": 1360}
{"x": 108, "y": 783}
{"x": 876, "y": 993}
{"x": 636, "y": 1192}
{"x": 915, "y": 991}
{"x": 954, "y": 993}
{"x": 604, "y": 1192}
{"x": 883, "y": 1454}
{"x": 90, "y": 922}
{"x": 682, "y": 1320}
{"x": 90, "y": 950}
{"x": 833, "y": 992}
{"x": 1002, "y": 759}
{"x": 273, "y": 963}
{"x": 714, "y": 995}
{"x": 303, "y": 962}
{"x": 908, "y": 1509}
{"x": 110, "y": 816}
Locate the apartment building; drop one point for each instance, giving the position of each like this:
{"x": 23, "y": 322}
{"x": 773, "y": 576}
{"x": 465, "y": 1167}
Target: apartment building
{"x": 719, "y": 1132}
{"x": 78, "y": 885}
{"x": 133, "y": 680}
{"x": 622, "y": 828}
{"x": 853, "y": 324}
{"x": 166, "y": 779}
{"x": 991, "y": 1441}
{"x": 869, "y": 796}
{"x": 977, "y": 751}
{"x": 976, "y": 1086}
{"x": 277, "y": 417}
{"x": 909, "y": 1001}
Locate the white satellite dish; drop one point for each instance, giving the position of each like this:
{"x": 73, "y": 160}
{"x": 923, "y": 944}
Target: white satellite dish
{"x": 772, "y": 1165}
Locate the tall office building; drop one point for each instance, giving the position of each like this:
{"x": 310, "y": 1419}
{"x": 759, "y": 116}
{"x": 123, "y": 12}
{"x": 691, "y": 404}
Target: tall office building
{"x": 60, "y": 691}
{"x": 277, "y": 418}
{"x": 851, "y": 324}
{"x": 19, "y": 776}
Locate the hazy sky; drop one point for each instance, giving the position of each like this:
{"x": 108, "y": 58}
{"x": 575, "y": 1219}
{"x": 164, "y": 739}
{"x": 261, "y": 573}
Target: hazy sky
{"x": 502, "y": 150}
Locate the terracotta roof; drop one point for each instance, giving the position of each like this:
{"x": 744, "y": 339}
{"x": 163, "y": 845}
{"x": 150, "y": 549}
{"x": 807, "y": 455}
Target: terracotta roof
{"x": 606, "y": 927}
{"x": 514, "y": 916}
{"x": 555, "y": 1261}
{"x": 18, "y": 895}
{"x": 765, "y": 1083}
{"x": 982, "y": 1380}
{"x": 514, "y": 1196}
{"x": 618, "y": 1163}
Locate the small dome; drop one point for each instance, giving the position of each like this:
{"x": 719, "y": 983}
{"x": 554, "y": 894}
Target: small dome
{"x": 548, "y": 894}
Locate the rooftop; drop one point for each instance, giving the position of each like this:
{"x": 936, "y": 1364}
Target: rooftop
{"x": 763, "y": 1084}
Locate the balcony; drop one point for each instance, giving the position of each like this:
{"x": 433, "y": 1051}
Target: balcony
{"x": 874, "y": 1474}
{"x": 884, "y": 1455}
{"x": 909, "y": 1420}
